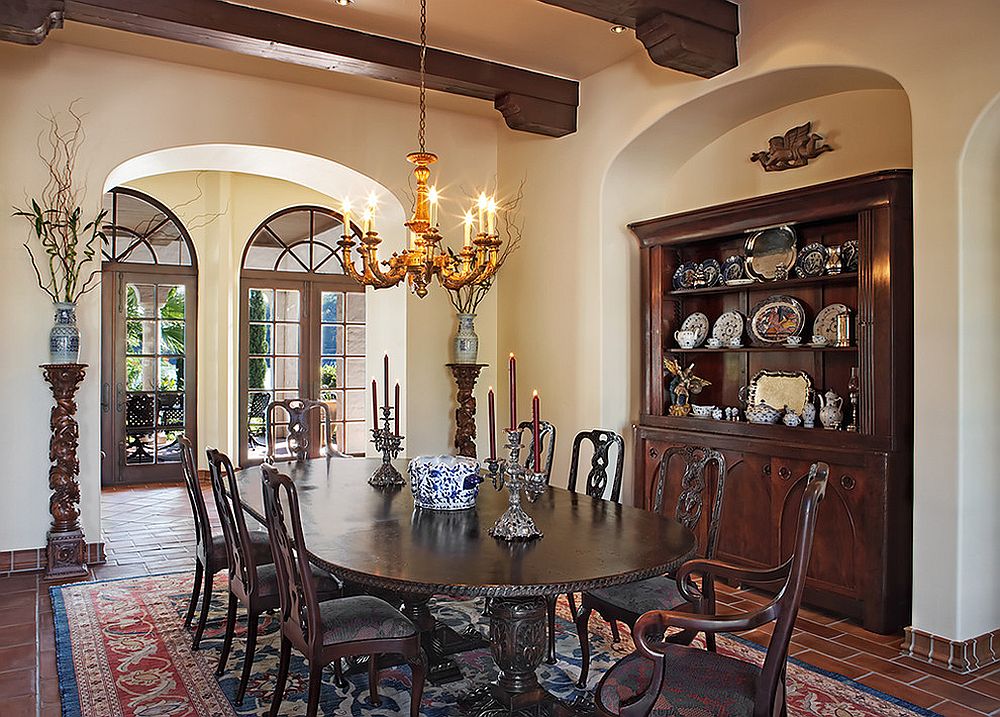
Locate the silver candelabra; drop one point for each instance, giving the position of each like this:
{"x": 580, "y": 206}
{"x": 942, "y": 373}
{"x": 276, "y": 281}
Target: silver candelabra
{"x": 388, "y": 443}
{"x": 515, "y": 524}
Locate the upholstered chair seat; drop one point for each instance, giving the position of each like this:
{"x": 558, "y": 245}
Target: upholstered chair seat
{"x": 697, "y": 683}
{"x": 258, "y": 539}
{"x": 362, "y": 617}
{"x": 327, "y": 586}
{"x": 657, "y": 593}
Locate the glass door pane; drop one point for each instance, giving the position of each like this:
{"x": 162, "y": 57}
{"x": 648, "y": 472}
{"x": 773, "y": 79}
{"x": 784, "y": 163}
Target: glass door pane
{"x": 274, "y": 334}
{"x": 341, "y": 365}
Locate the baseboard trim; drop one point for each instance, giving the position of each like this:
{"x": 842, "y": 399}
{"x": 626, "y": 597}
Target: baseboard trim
{"x": 959, "y": 656}
{"x": 32, "y": 560}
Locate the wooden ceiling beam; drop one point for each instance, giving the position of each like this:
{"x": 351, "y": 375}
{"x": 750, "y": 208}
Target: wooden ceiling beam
{"x": 529, "y": 101}
{"x": 693, "y": 36}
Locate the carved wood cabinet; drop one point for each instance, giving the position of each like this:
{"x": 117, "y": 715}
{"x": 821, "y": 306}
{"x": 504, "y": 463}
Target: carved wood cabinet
{"x": 861, "y": 561}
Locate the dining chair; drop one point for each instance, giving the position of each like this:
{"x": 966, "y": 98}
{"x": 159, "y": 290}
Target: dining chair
{"x": 253, "y": 580}
{"x": 608, "y": 450}
{"x": 257, "y": 419}
{"x": 297, "y": 440}
{"x": 661, "y": 679}
{"x": 546, "y": 442}
{"x": 210, "y": 550}
{"x": 626, "y": 603}
{"x": 327, "y": 631}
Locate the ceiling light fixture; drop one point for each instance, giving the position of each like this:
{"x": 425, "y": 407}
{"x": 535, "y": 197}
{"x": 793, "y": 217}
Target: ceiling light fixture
{"x": 344, "y": 2}
{"x": 425, "y": 258}
{"x": 616, "y": 29}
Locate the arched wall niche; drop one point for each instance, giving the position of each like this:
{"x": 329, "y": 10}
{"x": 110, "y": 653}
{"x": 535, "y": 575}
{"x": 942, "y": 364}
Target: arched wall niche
{"x": 235, "y": 187}
{"x": 979, "y": 380}
{"x": 698, "y": 155}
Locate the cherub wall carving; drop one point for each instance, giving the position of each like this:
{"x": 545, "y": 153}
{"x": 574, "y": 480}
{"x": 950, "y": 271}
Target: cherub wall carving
{"x": 794, "y": 149}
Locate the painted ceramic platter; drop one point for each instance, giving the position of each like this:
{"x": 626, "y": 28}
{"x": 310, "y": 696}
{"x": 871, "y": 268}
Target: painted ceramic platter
{"x": 825, "y": 323}
{"x": 849, "y": 255}
{"x": 770, "y": 253}
{"x": 812, "y": 260}
{"x": 729, "y": 326}
{"x": 698, "y": 323}
{"x": 686, "y": 275}
{"x": 774, "y": 319}
{"x": 711, "y": 272}
{"x": 733, "y": 269}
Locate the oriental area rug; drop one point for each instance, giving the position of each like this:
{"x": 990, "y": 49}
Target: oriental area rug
{"x": 123, "y": 651}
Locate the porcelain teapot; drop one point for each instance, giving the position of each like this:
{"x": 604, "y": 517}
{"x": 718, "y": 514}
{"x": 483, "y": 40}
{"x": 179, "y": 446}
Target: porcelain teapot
{"x": 831, "y": 410}
{"x": 686, "y": 339}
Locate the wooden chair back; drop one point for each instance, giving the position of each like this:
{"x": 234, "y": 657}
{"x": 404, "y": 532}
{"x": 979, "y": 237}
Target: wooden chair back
{"x": 693, "y": 490}
{"x": 202, "y": 526}
{"x": 300, "y": 618}
{"x": 297, "y": 439}
{"x": 546, "y": 443}
{"x": 239, "y": 550}
{"x": 605, "y": 444}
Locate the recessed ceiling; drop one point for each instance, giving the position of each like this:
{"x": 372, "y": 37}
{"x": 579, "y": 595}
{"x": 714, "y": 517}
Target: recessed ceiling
{"x": 525, "y": 33}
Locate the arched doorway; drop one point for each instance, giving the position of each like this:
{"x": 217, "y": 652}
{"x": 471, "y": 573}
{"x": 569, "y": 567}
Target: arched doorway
{"x": 302, "y": 329}
{"x": 148, "y": 353}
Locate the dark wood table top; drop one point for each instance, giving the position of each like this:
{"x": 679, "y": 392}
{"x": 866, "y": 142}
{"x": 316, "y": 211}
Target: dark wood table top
{"x": 376, "y": 537}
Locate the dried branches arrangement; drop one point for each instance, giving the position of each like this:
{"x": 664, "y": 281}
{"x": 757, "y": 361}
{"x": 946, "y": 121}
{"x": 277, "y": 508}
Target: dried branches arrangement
{"x": 467, "y": 299}
{"x": 57, "y": 255}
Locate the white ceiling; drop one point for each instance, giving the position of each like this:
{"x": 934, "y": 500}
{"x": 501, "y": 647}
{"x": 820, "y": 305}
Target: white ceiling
{"x": 526, "y": 33}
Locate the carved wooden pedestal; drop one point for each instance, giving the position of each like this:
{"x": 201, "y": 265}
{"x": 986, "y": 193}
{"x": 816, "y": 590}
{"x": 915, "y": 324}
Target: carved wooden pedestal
{"x": 466, "y": 375}
{"x": 65, "y": 547}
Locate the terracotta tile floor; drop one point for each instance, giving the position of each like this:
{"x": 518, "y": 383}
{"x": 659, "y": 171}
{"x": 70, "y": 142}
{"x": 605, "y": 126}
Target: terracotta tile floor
{"x": 149, "y": 530}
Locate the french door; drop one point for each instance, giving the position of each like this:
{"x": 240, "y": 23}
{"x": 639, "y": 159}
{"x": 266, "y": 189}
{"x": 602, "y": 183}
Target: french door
{"x": 301, "y": 339}
{"x": 148, "y": 360}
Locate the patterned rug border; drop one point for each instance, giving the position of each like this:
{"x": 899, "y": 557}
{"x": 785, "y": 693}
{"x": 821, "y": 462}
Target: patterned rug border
{"x": 69, "y": 690}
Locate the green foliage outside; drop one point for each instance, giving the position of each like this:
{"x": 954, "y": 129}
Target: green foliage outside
{"x": 171, "y": 338}
{"x": 258, "y": 344}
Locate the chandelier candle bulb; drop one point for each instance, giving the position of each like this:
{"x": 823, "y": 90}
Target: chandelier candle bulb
{"x": 482, "y": 213}
{"x": 493, "y": 425}
{"x": 491, "y": 215}
{"x": 512, "y": 372}
{"x": 433, "y": 198}
{"x": 535, "y": 431}
{"x": 345, "y": 208}
{"x": 468, "y": 228}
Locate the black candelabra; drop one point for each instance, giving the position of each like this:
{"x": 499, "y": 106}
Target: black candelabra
{"x": 388, "y": 443}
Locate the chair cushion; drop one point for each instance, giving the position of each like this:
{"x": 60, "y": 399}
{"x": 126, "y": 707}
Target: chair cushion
{"x": 697, "y": 683}
{"x": 327, "y": 586}
{"x": 362, "y": 617}
{"x": 659, "y": 593}
{"x": 258, "y": 540}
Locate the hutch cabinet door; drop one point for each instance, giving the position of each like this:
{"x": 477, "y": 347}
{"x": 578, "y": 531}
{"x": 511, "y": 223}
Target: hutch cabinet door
{"x": 746, "y": 535}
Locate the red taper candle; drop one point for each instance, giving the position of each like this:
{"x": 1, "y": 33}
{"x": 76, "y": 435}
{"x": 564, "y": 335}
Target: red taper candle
{"x": 536, "y": 430}
{"x": 512, "y": 370}
{"x": 386, "y": 384}
{"x": 374, "y": 405}
{"x": 396, "y": 413}
{"x": 493, "y": 425}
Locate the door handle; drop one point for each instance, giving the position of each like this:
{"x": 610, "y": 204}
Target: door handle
{"x": 105, "y": 397}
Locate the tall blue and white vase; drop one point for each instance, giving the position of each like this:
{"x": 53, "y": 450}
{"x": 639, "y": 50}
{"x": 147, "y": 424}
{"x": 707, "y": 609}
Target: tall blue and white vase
{"x": 64, "y": 339}
{"x": 466, "y": 347}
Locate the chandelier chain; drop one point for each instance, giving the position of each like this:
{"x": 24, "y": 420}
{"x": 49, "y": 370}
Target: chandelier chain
{"x": 423, "y": 75}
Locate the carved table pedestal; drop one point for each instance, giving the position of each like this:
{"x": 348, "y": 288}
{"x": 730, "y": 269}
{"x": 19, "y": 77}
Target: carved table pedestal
{"x": 65, "y": 549}
{"x": 466, "y": 375}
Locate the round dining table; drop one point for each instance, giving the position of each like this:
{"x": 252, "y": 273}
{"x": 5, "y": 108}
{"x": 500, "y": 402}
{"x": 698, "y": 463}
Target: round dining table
{"x": 377, "y": 538}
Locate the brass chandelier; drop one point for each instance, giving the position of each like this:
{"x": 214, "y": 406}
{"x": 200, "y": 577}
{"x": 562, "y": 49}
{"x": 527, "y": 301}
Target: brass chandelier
{"x": 425, "y": 258}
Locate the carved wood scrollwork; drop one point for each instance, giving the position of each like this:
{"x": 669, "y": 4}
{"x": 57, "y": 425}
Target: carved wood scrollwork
{"x": 466, "y": 376}
{"x": 65, "y": 549}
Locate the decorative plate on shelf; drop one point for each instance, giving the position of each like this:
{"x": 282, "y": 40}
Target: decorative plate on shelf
{"x": 729, "y": 326}
{"x": 711, "y": 272}
{"x": 825, "y": 323}
{"x": 774, "y": 319}
{"x": 733, "y": 269}
{"x": 698, "y": 323}
{"x": 686, "y": 275}
{"x": 771, "y": 253}
{"x": 812, "y": 260}
{"x": 780, "y": 389}
{"x": 849, "y": 255}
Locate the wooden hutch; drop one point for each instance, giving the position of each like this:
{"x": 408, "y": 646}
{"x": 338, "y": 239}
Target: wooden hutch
{"x": 861, "y": 561}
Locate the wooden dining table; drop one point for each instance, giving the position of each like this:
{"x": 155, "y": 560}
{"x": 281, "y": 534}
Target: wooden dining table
{"x": 377, "y": 538}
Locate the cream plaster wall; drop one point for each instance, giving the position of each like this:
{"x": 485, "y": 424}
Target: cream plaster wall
{"x": 790, "y": 52}
{"x": 136, "y": 106}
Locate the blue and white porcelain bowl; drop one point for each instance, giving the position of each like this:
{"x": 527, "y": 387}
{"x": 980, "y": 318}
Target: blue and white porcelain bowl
{"x": 444, "y": 482}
